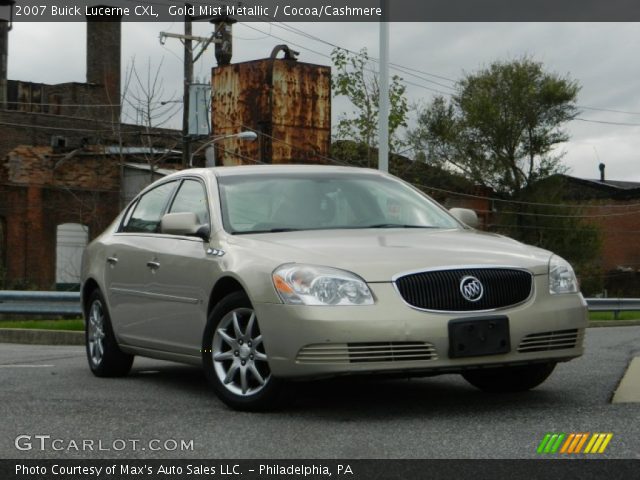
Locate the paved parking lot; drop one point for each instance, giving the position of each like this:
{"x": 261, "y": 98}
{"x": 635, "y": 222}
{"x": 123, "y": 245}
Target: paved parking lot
{"x": 50, "y": 391}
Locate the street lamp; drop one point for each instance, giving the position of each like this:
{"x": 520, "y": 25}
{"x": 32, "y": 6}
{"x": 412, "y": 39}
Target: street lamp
{"x": 210, "y": 153}
{"x": 9, "y": 19}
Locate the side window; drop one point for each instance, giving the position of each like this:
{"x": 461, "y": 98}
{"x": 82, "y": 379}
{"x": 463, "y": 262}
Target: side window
{"x": 192, "y": 198}
{"x": 147, "y": 213}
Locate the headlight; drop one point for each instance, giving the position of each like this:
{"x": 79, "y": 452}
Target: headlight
{"x": 310, "y": 285}
{"x": 561, "y": 276}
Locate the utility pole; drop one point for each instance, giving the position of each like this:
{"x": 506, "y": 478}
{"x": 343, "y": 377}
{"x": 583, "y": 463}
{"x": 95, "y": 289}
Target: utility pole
{"x": 188, "y": 80}
{"x": 383, "y": 105}
{"x": 4, "y": 49}
{"x": 222, "y": 35}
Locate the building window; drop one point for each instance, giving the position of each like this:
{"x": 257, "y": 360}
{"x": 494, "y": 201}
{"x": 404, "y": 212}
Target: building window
{"x": 71, "y": 239}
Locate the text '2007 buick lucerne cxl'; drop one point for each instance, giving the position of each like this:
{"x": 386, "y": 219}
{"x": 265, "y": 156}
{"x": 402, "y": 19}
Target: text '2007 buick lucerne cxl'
{"x": 267, "y": 274}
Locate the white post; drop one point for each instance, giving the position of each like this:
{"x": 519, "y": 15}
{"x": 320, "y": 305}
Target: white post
{"x": 383, "y": 105}
{"x": 210, "y": 156}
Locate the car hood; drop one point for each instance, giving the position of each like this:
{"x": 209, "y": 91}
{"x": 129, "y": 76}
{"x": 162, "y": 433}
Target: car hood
{"x": 377, "y": 255}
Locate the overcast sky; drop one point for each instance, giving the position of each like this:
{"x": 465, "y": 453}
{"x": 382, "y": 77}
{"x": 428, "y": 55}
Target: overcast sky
{"x": 603, "y": 58}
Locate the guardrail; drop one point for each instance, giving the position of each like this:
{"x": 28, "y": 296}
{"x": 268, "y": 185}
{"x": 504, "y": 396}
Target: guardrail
{"x": 615, "y": 305}
{"x": 40, "y": 303}
{"x": 68, "y": 303}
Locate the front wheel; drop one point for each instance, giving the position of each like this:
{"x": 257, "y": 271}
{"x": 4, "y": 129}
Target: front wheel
{"x": 509, "y": 379}
{"x": 105, "y": 357}
{"x": 234, "y": 356}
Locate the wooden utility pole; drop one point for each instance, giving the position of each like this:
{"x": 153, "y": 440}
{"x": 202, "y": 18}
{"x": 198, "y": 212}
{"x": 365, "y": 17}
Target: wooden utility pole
{"x": 188, "y": 80}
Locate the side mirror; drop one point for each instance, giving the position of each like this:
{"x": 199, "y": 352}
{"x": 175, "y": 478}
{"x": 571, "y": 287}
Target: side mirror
{"x": 466, "y": 216}
{"x": 184, "y": 223}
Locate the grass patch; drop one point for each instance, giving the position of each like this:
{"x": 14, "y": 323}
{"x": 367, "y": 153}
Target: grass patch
{"x": 632, "y": 315}
{"x": 75, "y": 325}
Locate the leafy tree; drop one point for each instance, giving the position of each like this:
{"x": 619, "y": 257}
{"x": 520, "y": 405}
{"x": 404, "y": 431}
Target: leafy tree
{"x": 501, "y": 126}
{"x": 500, "y": 129}
{"x": 359, "y": 84}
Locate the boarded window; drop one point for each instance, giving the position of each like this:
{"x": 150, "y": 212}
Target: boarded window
{"x": 71, "y": 239}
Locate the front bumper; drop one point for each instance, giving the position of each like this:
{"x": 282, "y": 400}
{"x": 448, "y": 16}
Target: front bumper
{"x": 416, "y": 341}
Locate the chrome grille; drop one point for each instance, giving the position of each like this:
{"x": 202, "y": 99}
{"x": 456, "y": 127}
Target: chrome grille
{"x": 544, "y": 341}
{"x": 367, "y": 352}
{"x": 440, "y": 290}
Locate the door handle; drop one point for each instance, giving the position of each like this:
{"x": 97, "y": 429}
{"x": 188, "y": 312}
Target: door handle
{"x": 153, "y": 265}
{"x": 112, "y": 260}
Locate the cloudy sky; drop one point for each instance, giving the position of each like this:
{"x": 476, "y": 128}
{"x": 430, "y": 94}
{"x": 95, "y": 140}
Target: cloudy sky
{"x": 601, "y": 57}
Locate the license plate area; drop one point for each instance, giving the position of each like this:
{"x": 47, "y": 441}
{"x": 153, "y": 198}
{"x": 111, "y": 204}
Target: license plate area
{"x": 478, "y": 336}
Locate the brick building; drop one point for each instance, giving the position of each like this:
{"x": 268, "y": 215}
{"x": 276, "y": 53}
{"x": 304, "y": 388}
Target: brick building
{"x": 614, "y": 206}
{"x": 67, "y": 165}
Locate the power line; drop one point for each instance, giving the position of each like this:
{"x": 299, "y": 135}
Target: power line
{"x": 535, "y": 204}
{"x": 551, "y": 215}
{"x": 608, "y": 110}
{"x": 329, "y": 57}
{"x": 624, "y": 124}
{"x": 298, "y": 31}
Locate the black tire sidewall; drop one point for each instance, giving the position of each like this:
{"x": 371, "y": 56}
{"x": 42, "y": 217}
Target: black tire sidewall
{"x": 115, "y": 362}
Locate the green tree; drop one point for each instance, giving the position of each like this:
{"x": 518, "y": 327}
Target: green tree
{"x": 500, "y": 129}
{"x": 501, "y": 126}
{"x": 356, "y": 81}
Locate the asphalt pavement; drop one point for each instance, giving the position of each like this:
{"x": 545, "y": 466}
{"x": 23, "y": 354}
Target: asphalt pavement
{"x": 52, "y": 403}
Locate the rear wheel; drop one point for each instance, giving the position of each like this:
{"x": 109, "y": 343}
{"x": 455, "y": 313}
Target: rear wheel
{"x": 104, "y": 356}
{"x": 509, "y": 379}
{"x": 234, "y": 356}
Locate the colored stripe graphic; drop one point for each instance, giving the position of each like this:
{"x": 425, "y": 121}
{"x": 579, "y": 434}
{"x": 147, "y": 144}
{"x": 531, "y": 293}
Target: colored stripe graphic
{"x": 607, "y": 439}
{"x": 599, "y": 443}
{"x": 573, "y": 443}
{"x": 581, "y": 443}
{"x": 543, "y": 443}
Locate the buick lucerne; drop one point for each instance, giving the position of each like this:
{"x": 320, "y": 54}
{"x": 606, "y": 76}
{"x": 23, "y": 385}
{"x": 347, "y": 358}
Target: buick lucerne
{"x": 267, "y": 274}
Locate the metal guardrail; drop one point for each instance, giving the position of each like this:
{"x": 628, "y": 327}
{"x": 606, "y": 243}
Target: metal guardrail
{"x": 40, "y": 303}
{"x": 68, "y": 303}
{"x": 615, "y": 305}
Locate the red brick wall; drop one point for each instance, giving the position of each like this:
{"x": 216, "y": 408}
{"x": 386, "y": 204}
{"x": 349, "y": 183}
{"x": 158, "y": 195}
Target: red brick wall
{"x": 41, "y": 166}
{"x": 41, "y": 190}
{"x": 32, "y": 215}
{"x": 620, "y": 226}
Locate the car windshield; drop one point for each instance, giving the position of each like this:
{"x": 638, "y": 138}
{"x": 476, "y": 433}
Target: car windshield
{"x": 320, "y": 201}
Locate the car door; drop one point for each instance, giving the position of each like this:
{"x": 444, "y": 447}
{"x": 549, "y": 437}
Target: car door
{"x": 181, "y": 280}
{"x": 129, "y": 255}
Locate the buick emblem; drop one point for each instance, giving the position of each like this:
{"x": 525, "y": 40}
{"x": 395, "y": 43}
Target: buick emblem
{"x": 471, "y": 288}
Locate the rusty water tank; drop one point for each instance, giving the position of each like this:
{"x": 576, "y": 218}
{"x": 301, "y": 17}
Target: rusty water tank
{"x": 287, "y": 102}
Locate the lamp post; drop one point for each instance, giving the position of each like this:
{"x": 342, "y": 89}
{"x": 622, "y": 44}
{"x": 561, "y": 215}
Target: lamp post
{"x": 210, "y": 153}
{"x": 6, "y": 23}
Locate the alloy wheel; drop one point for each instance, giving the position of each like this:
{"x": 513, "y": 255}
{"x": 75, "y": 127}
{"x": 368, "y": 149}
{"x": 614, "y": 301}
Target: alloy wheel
{"x": 239, "y": 358}
{"x": 96, "y": 332}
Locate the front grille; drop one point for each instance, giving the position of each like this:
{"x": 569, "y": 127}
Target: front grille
{"x": 440, "y": 290}
{"x": 367, "y": 352}
{"x": 544, "y": 341}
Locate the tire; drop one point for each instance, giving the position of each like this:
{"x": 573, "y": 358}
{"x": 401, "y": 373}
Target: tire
{"x": 103, "y": 354}
{"x": 234, "y": 357}
{"x": 509, "y": 379}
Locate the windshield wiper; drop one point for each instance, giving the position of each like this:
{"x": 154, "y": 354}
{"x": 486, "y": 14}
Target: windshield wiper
{"x": 271, "y": 230}
{"x": 395, "y": 225}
